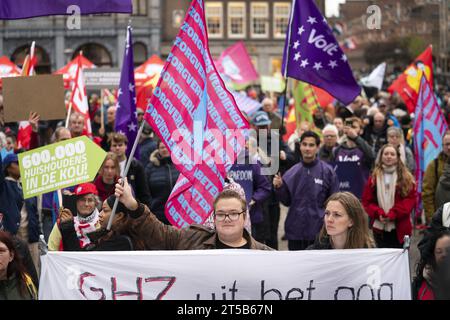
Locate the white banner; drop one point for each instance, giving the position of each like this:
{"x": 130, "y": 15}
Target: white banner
{"x": 373, "y": 274}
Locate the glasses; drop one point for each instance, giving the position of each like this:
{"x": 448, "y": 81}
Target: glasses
{"x": 233, "y": 216}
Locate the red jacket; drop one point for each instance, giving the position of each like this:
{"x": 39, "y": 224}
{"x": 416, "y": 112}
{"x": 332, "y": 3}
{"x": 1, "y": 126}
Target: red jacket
{"x": 400, "y": 212}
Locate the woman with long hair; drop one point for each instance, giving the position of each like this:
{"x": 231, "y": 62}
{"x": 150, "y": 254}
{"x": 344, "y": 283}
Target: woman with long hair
{"x": 389, "y": 198}
{"x": 15, "y": 283}
{"x": 108, "y": 175}
{"x": 426, "y": 284}
{"x": 345, "y": 224}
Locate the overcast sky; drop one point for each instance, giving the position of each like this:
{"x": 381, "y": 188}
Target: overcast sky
{"x": 332, "y": 7}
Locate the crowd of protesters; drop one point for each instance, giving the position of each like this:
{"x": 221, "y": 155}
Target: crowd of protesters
{"x": 374, "y": 134}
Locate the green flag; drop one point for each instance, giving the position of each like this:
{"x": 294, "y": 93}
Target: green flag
{"x": 59, "y": 165}
{"x": 305, "y": 102}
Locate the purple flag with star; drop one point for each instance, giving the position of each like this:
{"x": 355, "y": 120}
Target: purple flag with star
{"x": 126, "y": 115}
{"x": 312, "y": 54}
{"x": 23, "y": 9}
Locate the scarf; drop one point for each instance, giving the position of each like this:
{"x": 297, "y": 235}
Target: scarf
{"x": 386, "y": 184}
{"x": 86, "y": 225}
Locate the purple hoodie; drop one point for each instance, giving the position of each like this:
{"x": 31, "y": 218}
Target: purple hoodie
{"x": 305, "y": 189}
{"x": 255, "y": 185}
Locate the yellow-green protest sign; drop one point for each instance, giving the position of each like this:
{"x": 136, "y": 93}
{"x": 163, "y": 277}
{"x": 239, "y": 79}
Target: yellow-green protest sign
{"x": 272, "y": 84}
{"x": 59, "y": 165}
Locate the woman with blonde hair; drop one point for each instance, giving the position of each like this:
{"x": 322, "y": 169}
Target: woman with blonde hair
{"x": 108, "y": 175}
{"x": 389, "y": 198}
{"x": 345, "y": 224}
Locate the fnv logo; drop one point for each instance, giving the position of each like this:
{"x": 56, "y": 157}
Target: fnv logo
{"x": 318, "y": 181}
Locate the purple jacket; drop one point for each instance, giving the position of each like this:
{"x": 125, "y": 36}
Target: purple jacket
{"x": 255, "y": 185}
{"x": 305, "y": 189}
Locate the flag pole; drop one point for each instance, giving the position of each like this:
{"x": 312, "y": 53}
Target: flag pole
{"x": 102, "y": 120}
{"x": 125, "y": 172}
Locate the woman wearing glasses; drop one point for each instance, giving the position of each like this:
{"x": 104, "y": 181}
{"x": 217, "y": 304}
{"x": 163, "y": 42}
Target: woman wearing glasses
{"x": 145, "y": 232}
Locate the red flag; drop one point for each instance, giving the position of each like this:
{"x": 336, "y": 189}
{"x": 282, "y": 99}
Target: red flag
{"x": 150, "y": 69}
{"x": 8, "y": 69}
{"x": 408, "y": 83}
{"x": 25, "y": 130}
{"x": 79, "y": 99}
{"x": 69, "y": 71}
{"x": 235, "y": 63}
{"x": 24, "y": 135}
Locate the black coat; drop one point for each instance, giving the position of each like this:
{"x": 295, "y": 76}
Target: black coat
{"x": 100, "y": 241}
{"x": 137, "y": 180}
{"x": 161, "y": 175}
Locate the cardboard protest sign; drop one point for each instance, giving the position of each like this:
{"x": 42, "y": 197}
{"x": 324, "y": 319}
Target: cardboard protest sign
{"x": 352, "y": 274}
{"x": 42, "y": 94}
{"x": 59, "y": 165}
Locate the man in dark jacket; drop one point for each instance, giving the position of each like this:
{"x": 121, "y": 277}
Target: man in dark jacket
{"x": 330, "y": 137}
{"x": 161, "y": 175}
{"x": 375, "y": 133}
{"x": 136, "y": 173}
{"x": 146, "y": 145}
{"x": 305, "y": 188}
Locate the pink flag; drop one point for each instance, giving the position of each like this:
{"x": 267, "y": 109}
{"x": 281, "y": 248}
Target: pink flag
{"x": 235, "y": 63}
{"x": 198, "y": 121}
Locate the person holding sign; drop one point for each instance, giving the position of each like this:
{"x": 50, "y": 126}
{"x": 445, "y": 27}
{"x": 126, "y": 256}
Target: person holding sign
{"x": 345, "y": 224}
{"x": 86, "y": 220}
{"x": 389, "y": 198}
{"x": 135, "y": 227}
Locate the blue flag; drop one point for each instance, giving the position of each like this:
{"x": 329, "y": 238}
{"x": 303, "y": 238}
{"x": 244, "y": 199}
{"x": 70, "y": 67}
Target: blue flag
{"x": 23, "y": 9}
{"x": 126, "y": 115}
{"x": 312, "y": 54}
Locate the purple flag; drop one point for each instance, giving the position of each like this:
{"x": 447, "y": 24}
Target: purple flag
{"x": 23, "y": 9}
{"x": 312, "y": 54}
{"x": 126, "y": 115}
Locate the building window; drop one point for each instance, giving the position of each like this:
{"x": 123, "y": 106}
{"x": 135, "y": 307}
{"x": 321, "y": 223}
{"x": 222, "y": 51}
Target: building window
{"x": 236, "y": 20}
{"x": 139, "y": 7}
{"x": 259, "y": 20}
{"x": 140, "y": 53}
{"x": 281, "y": 13}
{"x": 214, "y": 20}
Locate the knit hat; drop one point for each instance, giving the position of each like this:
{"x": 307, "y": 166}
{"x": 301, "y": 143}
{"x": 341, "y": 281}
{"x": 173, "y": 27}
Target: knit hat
{"x": 10, "y": 158}
{"x": 86, "y": 188}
